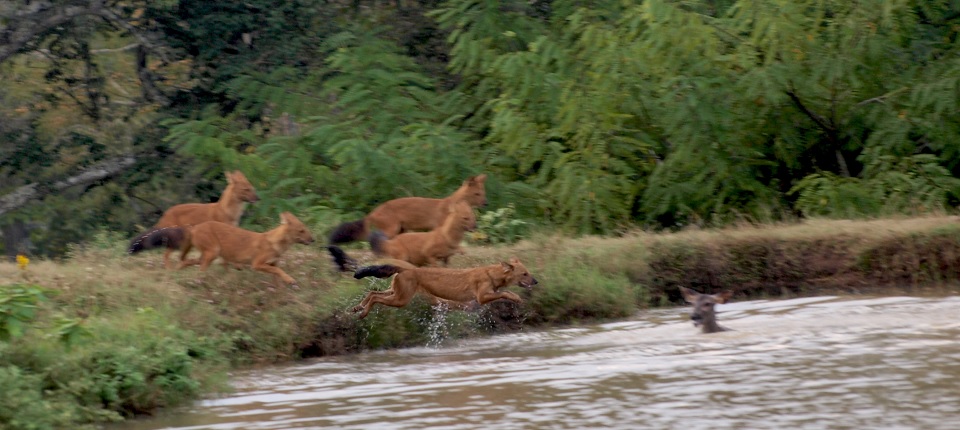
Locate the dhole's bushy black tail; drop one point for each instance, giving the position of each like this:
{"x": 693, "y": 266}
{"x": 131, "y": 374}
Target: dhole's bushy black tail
{"x": 341, "y": 259}
{"x": 348, "y": 232}
{"x": 170, "y": 237}
{"x": 377, "y": 238}
{"x": 381, "y": 271}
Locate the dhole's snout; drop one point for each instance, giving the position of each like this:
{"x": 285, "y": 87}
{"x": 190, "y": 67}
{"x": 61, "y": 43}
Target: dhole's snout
{"x": 252, "y": 198}
{"x": 529, "y": 283}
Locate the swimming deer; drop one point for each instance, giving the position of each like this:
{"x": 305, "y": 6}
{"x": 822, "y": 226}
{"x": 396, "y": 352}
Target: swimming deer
{"x": 703, "y": 313}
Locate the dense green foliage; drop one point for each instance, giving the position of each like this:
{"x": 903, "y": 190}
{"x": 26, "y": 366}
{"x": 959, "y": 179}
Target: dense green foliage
{"x": 589, "y": 116}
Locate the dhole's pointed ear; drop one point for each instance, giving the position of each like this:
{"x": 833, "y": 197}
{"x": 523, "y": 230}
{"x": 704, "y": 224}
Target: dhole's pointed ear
{"x": 284, "y": 216}
{"x": 689, "y": 295}
{"x": 514, "y": 260}
{"x": 229, "y": 176}
{"x": 507, "y": 267}
{"x": 723, "y": 296}
{"x": 480, "y": 178}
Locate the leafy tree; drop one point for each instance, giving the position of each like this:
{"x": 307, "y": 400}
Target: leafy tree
{"x": 371, "y": 130}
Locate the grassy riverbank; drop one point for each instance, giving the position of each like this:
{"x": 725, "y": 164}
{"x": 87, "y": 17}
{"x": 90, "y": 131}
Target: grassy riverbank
{"x": 117, "y": 336}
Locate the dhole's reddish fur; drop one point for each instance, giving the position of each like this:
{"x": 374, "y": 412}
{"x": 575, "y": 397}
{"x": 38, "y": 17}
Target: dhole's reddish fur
{"x": 453, "y": 285}
{"x": 411, "y": 213}
{"x": 429, "y": 248}
{"x": 261, "y": 251}
{"x": 228, "y": 209}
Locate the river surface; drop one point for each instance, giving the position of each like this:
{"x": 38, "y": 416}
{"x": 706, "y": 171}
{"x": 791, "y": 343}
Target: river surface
{"x": 821, "y": 362}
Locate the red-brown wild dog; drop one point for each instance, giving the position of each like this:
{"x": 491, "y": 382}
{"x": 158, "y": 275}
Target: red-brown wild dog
{"x": 420, "y": 248}
{"x": 411, "y": 213}
{"x": 228, "y": 209}
{"x": 703, "y": 313}
{"x": 261, "y": 251}
{"x": 454, "y": 285}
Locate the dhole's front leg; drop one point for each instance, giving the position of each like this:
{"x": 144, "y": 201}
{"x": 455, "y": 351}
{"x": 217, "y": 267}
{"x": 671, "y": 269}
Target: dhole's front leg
{"x": 272, "y": 269}
{"x": 484, "y": 297}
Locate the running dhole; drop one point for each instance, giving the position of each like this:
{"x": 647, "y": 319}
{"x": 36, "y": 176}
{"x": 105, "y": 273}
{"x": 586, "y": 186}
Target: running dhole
{"x": 228, "y": 209}
{"x": 411, "y": 213}
{"x": 419, "y": 248}
{"x": 482, "y": 284}
{"x": 260, "y": 251}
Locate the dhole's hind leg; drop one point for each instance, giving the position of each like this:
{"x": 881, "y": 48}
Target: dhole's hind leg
{"x": 166, "y": 258}
{"x": 184, "y": 262}
{"x": 389, "y": 226}
{"x": 366, "y": 299}
{"x": 207, "y": 258}
{"x": 402, "y": 294}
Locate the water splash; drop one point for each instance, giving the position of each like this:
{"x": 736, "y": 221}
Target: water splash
{"x": 437, "y": 329}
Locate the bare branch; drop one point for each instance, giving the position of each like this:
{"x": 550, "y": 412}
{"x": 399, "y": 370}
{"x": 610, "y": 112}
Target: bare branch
{"x": 23, "y": 24}
{"x": 820, "y": 120}
{"x": 145, "y": 41}
{"x": 23, "y": 195}
{"x": 882, "y": 97}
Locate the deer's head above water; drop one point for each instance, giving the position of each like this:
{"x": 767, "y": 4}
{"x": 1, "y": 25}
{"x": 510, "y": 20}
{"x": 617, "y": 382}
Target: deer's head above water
{"x": 704, "y": 313}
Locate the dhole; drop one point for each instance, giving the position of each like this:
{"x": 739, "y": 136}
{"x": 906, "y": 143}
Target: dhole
{"x": 261, "y": 251}
{"x": 420, "y": 248}
{"x": 411, "y": 213}
{"x": 453, "y": 285}
{"x": 703, "y": 313}
{"x": 227, "y": 210}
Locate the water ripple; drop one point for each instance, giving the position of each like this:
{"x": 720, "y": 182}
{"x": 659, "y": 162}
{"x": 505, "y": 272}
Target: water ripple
{"x": 822, "y": 362}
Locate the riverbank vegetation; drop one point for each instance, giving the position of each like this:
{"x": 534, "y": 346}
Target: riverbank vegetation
{"x": 102, "y": 335}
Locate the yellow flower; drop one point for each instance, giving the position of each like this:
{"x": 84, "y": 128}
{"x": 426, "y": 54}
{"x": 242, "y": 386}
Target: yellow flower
{"x": 22, "y": 261}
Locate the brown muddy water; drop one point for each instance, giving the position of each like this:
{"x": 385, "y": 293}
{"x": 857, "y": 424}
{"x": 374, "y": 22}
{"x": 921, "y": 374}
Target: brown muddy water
{"x": 822, "y": 362}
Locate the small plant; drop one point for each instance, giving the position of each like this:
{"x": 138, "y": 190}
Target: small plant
{"x": 498, "y": 226}
{"x": 18, "y": 306}
{"x": 70, "y": 331}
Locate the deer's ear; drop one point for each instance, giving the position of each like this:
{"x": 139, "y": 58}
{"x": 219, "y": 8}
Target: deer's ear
{"x": 723, "y": 296}
{"x": 689, "y": 295}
